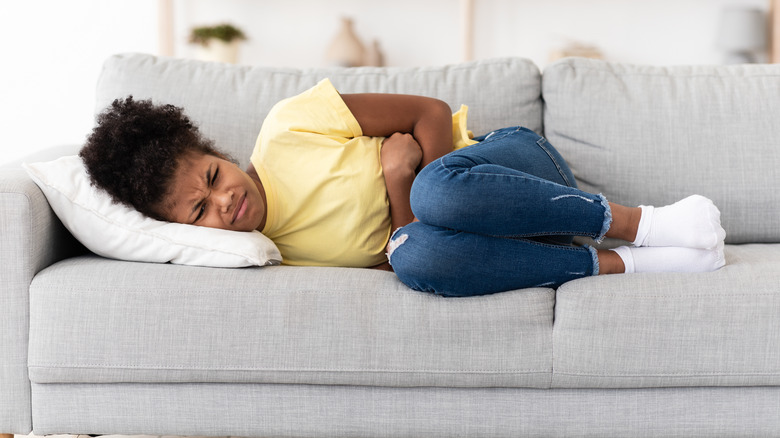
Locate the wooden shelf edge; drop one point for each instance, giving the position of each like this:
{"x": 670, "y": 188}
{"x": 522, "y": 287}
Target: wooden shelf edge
{"x": 774, "y": 31}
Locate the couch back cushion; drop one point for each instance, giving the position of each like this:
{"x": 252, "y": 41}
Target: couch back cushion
{"x": 653, "y": 135}
{"x": 229, "y": 102}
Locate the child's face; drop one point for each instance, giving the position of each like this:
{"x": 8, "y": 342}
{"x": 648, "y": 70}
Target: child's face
{"x": 212, "y": 192}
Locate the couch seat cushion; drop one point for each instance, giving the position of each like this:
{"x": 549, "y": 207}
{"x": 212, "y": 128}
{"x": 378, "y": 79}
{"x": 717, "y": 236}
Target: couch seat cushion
{"x": 95, "y": 320}
{"x": 650, "y": 330}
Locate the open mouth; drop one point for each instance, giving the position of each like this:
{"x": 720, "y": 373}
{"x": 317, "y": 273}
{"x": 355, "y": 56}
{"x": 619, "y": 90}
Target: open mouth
{"x": 241, "y": 209}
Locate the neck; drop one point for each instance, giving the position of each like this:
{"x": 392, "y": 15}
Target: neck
{"x": 256, "y": 178}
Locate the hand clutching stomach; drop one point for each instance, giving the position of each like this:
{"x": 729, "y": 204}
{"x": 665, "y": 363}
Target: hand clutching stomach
{"x": 401, "y": 156}
{"x": 401, "y": 152}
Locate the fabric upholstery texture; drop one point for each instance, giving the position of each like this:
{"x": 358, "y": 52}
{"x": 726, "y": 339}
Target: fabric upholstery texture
{"x": 648, "y": 330}
{"x": 30, "y": 239}
{"x": 362, "y": 411}
{"x": 124, "y": 347}
{"x": 230, "y": 102}
{"x": 654, "y": 135}
{"x": 92, "y": 320}
{"x": 667, "y": 330}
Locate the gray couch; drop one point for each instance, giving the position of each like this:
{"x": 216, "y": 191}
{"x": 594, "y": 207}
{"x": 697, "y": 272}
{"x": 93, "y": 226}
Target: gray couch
{"x": 97, "y": 346}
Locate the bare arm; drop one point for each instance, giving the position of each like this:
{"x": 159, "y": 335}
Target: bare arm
{"x": 429, "y": 120}
{"x": 418, "y": 131}
{"x": 401, "y": 155}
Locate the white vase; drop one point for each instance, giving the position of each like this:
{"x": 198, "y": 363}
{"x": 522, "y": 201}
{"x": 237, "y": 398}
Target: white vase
{"x": 345, "y": 49}
{"x": 219, "y": 51}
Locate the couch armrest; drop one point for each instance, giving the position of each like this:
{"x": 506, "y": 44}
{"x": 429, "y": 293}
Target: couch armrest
{"x": 31, "y": 238}
{"x": 46, "y": 154}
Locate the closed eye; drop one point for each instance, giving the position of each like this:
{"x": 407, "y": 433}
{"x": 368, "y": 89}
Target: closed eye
{"x": 210, "y": 180}
{"x": 201, "y": 211}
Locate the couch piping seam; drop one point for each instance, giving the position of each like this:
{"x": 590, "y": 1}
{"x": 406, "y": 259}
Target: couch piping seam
{"x": 374, "y": 370}
{"x": 670, "y": 375}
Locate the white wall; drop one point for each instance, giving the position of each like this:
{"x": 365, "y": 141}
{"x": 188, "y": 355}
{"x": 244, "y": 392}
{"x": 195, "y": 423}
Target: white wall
{"x": 52, "y": 52}
{"x": 296, "y": 33}
{"x": 658, "y": 32}
{"x": 47, "y": 80}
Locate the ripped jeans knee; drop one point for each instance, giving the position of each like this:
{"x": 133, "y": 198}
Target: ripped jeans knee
{"x": 412, "y": 255}
{"x": 396, "y": 240}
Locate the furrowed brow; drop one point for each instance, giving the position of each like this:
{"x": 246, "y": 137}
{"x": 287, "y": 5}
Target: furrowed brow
{"x": 196, "y": 205}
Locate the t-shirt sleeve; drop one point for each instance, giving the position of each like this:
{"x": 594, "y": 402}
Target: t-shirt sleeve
{"x": 318, "y": 110}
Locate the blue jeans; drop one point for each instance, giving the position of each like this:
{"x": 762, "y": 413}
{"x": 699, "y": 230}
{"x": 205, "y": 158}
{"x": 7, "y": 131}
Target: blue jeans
{"x": 496, "y": 216}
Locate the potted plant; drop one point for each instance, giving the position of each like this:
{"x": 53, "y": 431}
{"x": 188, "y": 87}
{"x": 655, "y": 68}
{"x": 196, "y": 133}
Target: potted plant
{"x": 217, "y": 43}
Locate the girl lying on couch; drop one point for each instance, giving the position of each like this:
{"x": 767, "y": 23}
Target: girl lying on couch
{"x": 382, "y": 180}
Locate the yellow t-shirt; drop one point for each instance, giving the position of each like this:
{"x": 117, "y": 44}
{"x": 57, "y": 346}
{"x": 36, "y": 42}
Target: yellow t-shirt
{"x": 326, "y": 195}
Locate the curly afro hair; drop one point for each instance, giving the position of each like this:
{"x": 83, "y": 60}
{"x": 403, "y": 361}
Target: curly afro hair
{"x": 135, "y": 148}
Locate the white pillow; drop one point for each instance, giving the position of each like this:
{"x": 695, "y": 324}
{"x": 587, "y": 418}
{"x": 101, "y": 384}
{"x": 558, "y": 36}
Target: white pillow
{"x": 120, "y": 232}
